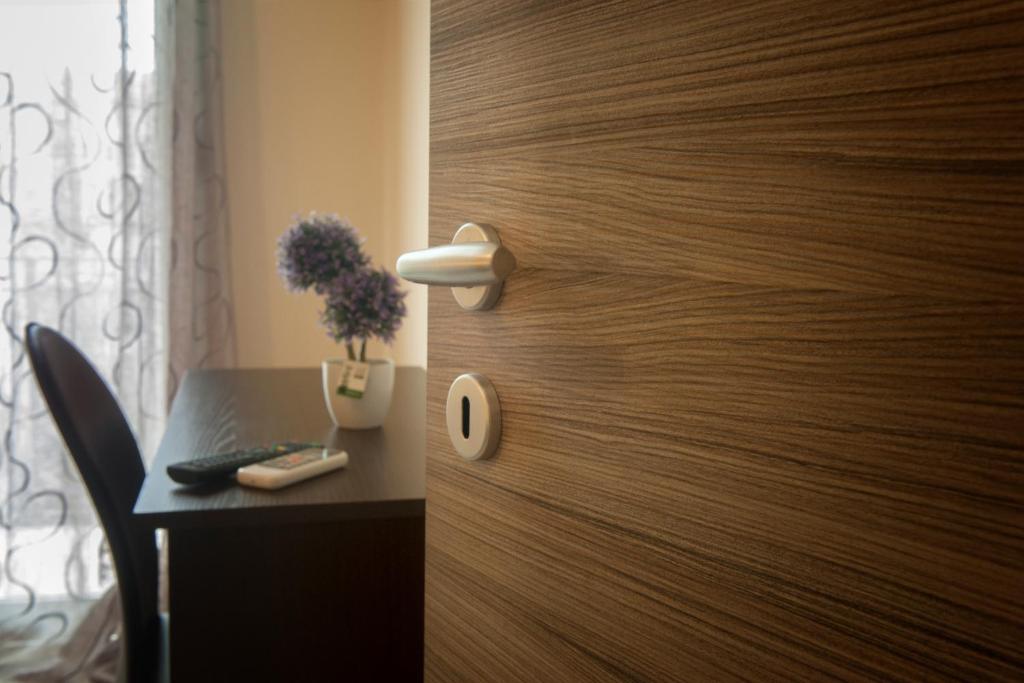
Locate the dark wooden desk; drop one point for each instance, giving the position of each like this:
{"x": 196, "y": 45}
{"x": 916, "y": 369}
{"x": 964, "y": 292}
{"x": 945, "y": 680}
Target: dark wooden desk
{"x": 319, "y": 581}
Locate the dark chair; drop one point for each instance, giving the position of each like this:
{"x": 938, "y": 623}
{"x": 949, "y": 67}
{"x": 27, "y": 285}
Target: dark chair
{"x": 107, "y": 457}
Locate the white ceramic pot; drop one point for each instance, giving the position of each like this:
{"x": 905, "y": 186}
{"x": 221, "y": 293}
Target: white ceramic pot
{"x": 371, "y": 409}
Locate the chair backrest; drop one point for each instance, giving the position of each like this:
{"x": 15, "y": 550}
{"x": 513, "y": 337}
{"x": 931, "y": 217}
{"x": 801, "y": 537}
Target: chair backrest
{"x": 107, "y": 457}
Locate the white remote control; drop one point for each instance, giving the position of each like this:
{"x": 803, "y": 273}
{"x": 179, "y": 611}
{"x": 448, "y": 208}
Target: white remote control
{"x": 291, "y": 468}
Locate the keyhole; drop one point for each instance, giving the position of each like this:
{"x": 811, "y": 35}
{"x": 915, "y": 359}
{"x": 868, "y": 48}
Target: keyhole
{"x": 465, "y": 417}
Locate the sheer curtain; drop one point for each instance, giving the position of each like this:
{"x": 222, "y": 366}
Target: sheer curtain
{"x": 113, "y": 223}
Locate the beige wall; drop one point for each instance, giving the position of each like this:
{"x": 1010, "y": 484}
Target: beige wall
{"x": 326, "y": 109}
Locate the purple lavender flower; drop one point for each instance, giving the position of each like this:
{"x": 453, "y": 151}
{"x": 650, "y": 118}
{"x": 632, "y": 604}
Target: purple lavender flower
{"x": 362, "y": 304}
{"x": 317, "y": 249}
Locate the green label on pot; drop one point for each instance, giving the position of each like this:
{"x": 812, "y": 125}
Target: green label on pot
{"x": 354, "y": 378}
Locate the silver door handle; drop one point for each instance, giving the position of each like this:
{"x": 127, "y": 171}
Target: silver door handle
{"x": 475, "y": 264}
{"x": 458, "y": 265}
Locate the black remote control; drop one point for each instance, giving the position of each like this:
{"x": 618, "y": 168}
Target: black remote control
{"x": 223, "y": 465}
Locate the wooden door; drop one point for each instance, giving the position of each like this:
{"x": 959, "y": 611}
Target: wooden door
{"x": 761, "y": 366}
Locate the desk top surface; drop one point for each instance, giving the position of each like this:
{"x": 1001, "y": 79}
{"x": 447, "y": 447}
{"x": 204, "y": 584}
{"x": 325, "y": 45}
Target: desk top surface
{"x": 222, "y": 410}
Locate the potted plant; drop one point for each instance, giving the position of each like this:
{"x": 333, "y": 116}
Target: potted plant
{"x": 324, "y": 253}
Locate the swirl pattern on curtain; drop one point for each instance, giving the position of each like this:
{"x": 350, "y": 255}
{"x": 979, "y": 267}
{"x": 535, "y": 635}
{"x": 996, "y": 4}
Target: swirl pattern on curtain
{"x": 113, "y": 217}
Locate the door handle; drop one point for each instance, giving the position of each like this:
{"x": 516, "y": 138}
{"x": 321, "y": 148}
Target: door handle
{"x": 474, "y": 265}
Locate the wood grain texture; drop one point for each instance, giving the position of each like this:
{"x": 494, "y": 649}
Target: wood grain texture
{"x": 762, "y": 364}
{"x": 221, "y": 410}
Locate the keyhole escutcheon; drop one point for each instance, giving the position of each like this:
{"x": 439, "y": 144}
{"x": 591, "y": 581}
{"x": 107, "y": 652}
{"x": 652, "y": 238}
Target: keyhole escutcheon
{"x": 473, "y": 416}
